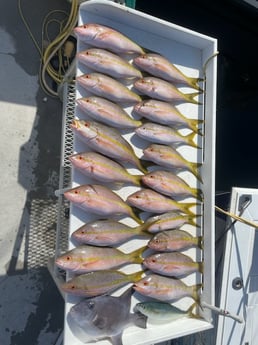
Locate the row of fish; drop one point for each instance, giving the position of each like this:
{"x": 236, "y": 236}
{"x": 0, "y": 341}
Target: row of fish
{"x": 87, "y": 258}
{"x": 148, "y": 83}
{"x": 109, "y": 232}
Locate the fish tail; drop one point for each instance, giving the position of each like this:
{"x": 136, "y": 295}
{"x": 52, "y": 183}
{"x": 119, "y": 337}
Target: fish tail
{"x": 186, "y": 207}
{"x": 142, "y": 230}
{"x": 136, "y": 255}
{"x": 190, "y": 311}
{"x": 193, "y": 125}
{"x": 197, "y": 193}
{"x": 136, "y": 276}
{"x": 137, "y": 179}
{"x": 194, "y": 83}
{"x": 135, "y": 217}
{"x": 191, "y": 221}
{"x": 190, "y": 97}
{"x": 195, "y": 293}
{"x": 195, "y": 170}
{"x": 142, "y": 168}
{"x": 190, "y": 140}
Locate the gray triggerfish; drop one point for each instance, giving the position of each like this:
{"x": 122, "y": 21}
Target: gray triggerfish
{"x": 105, "y": 317}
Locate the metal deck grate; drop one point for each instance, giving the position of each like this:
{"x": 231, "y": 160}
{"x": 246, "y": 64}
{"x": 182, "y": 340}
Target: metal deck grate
{"x": 65, "y": 169}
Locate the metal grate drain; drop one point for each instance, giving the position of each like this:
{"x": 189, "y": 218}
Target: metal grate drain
{"x": 49, "y": 220}
{"x": 65, "y": 169}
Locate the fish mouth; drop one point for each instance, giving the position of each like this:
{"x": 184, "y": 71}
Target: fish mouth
{"x": 75, "y": 124}
{"x": 138, "y": 288}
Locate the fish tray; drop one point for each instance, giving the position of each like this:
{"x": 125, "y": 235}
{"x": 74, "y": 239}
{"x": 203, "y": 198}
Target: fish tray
{"x": 195, "y": 55}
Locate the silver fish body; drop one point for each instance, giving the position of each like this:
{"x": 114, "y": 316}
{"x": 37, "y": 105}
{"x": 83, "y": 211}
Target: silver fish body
{"x": 103, "y": 61}
{"x": 107, "y": 38}
{"x": 165, "y": 288}
{"x": 102, "y": 168}
{"x": 98, "y": 283}
{"x": 158, "y": 311}
{"x": 166, "y": 135}
{"x": 163, "y": 90}
{"x": 107, "y": 112}
{"x": 104, "y": 86}
{"x": 168, "y": 157}
{"x": 161, "y": 67}
{"x": 167, "y": 183}
{"x": 106, "y": 232}
{"x": 107, "y": 141}
{"x": 174, "y": 264}
{"x": 168, "y": 220}
{"x": 165, "y": 113}
{"x": 106, "y": 316}
{"x": 150, "y": 201}
{"x": 174, "y": 240}
{"x": 99, "y": 200}
{"x": 85, "y": 258}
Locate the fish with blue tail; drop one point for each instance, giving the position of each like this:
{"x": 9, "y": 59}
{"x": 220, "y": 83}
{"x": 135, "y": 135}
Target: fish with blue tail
{"x": 162, "y": 312}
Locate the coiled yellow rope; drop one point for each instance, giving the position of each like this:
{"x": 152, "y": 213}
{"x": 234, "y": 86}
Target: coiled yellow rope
{"x": 54, "y": 47}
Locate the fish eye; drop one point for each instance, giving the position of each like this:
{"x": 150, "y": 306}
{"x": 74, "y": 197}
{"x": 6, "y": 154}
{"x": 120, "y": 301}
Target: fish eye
{"x": 68, "y": 258}
{"x": 72, "y": 287}
{"x": 80, "y": 157}
{"x": 153, "y": 260}
{"x": 76, "y": 192}
{"x": 146, "y": 283}
{"x": 82, "y": 232}
{"x": 91, "y": 305}
{"x": 85, "y": 26}
{"x": 86, "y": 124}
